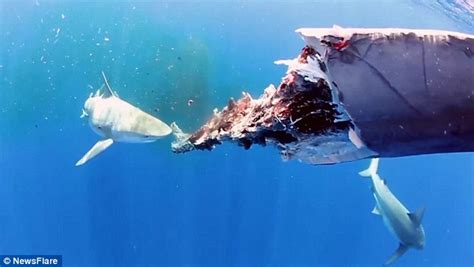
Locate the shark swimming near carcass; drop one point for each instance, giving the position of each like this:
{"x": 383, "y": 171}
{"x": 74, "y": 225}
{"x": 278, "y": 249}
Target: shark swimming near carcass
{"x": 116, "y": 120}
{"x": 404, "y": 225}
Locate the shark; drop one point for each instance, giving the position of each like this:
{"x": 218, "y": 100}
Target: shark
{"x": 406, "y": 226}
{"x": 116, "y": 120}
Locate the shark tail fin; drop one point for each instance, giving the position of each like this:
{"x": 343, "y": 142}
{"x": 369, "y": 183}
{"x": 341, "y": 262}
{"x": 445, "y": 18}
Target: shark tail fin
{"x": 397, "y": 254}
{"x": 372, "y": 170}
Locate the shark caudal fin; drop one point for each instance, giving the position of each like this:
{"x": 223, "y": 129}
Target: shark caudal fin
{"x": 372, "y": 170}
{"x": 397, "y": 254}
{"x": 95, "y": 150}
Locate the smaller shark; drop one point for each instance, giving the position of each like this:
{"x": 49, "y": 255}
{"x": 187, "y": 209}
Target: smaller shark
{"x": 118, "y": 121}
{"x": 404, "y": 225}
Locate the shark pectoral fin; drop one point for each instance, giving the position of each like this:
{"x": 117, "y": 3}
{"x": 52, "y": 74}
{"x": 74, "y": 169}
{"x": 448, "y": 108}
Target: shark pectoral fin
{"x": 417, "y": 216}
{"x": 400, "y": 251}
{"x": 95, "y": 150}
{"x": 376, "y": 211}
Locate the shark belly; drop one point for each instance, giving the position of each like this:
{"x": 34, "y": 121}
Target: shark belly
{"x": 395, "y": 217}
{"x": 130, "y": 137}
{"x": 122, "y": 122}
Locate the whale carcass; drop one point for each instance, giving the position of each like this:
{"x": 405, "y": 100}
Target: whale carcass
{"x": 355, "y": 93}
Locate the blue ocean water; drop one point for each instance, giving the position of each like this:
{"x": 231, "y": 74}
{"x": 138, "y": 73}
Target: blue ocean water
{"x": 142, "y": 205}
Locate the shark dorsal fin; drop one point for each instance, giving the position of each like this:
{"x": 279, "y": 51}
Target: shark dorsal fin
{"x": 417, "y": 216}
{"x": 106, "y": 89}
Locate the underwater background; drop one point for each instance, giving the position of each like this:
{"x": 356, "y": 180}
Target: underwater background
{"x": 142, "y": 205}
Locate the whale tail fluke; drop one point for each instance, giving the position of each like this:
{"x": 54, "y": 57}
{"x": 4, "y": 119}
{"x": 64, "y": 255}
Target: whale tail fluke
{"x": 372, "y": 170}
